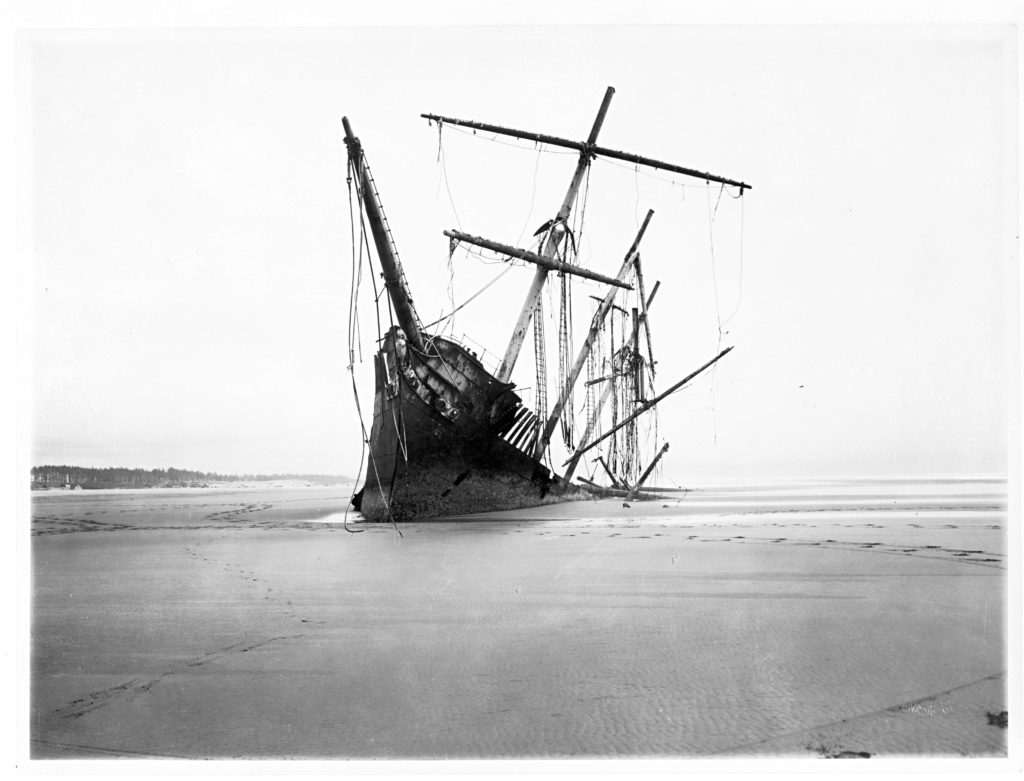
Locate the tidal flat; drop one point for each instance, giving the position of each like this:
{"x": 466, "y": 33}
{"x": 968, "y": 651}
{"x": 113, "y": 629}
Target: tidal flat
{"x": 807, "y": 619}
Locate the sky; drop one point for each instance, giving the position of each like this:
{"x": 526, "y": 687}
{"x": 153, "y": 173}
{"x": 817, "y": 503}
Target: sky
{"x": 183, "y": 215}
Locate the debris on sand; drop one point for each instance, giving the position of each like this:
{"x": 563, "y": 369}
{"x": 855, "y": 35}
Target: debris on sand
{"x": 1000, "y": 719}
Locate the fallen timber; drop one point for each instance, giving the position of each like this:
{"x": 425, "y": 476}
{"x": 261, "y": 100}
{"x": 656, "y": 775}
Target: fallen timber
{"x": 647, "y": 472}
{"x": 603, "y": 491}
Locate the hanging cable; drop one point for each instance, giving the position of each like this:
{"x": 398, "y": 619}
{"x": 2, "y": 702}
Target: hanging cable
{"x": 471, "y": 298}
{"x": 739, "y": 297}
{"x": 443, "y": 173}
{"x": 540, "y": 359}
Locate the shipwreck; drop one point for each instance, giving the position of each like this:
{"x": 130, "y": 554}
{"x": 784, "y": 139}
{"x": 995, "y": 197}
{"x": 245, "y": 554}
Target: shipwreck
{"x": 450, "y": 437}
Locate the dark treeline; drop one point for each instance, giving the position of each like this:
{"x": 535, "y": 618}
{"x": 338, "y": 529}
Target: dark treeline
{"x": 54, "y": 476}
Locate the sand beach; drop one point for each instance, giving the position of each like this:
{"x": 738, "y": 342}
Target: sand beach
{"x": 802, "y": 619}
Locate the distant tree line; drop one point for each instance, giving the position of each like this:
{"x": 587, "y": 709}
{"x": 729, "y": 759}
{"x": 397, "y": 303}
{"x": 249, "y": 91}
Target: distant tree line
{"x": 54, "y": 476}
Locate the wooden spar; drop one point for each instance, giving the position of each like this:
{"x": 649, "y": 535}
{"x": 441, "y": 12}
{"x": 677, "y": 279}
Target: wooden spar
{"x": 588, "y": 344}
{"x": 603, "y": 489}
{"x": 616, "y": 483}
{"x": 589, "y": 148}
{"x": 533, "y": 257}
{"x": 647, "y": 472}
{"x": 643, "y": 316}
{"x": 614, "y": 306}
{"x": 592, "y": 423}
{"x": 394, "y": 277}
{"x": 555, "y": 235}
{"x": 650, "y": 404}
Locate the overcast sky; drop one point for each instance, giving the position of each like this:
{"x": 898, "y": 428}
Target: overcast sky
{"x": 186, "y": 211}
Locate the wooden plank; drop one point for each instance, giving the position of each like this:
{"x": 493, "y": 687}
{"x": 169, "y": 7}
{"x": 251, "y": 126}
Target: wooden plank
{"x": 533, "y": 257}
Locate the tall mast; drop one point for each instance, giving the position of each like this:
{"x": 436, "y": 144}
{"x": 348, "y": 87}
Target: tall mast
{"x": 551, "y": 246}
{"x": 394, "y": 277}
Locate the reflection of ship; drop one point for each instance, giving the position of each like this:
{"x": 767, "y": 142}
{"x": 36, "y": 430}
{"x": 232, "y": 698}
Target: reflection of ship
{"x": 450, "y": 437}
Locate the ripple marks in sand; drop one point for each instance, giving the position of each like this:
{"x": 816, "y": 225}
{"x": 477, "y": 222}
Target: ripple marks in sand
{"x": 139, "y": 686}
{"x": 957, "y": 720}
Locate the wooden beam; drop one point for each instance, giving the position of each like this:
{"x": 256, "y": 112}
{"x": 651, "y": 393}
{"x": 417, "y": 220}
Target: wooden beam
{"x": 614, "y": 306}
{"x": 616, "y": 482}
{"x": 647, "y": 472}
{"x": 533, "y": 257}
{"x": 605, "y": 490}
{"x": 588, "y": 148}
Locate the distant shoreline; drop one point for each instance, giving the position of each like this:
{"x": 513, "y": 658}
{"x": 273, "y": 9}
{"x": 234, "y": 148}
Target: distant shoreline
{"x": 204, "y": 486}
{"x": 49, "y": 477}
{"x": 212, "y": 486}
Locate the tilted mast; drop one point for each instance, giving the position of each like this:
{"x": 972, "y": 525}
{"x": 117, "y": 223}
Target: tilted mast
{"x": 394, "y": 277}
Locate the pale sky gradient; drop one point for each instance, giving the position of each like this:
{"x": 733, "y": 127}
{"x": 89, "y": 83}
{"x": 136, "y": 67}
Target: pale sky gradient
{"x": 187, "y": 214}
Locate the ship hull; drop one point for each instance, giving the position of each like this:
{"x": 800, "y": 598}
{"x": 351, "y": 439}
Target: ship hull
{"x": 448, "y": 438}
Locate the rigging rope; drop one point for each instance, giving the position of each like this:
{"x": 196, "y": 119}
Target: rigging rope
{"x": 669, "y": 180}
{"x": 470, "y": 299}
{"x": 590, "y": 402}
{"x": 739, "y": 297}
{"x": 714, "y": 272}
{"x": 613, "y": 379}
{"x": 541, "y": 394}
{"x": 579, "y": 217}
{"x": 522, "y": 146}
{"x": 533, "y": 195}
{"x": 443, "y": 172}
{"x": 565, "y": 358}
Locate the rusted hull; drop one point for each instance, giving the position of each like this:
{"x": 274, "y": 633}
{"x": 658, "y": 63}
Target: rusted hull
{"x": 448, "y": 438}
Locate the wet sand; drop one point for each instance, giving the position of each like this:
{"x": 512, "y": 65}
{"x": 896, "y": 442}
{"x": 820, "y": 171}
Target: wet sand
{"x": 806, "y": 620}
